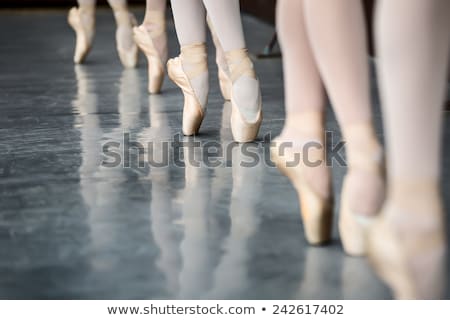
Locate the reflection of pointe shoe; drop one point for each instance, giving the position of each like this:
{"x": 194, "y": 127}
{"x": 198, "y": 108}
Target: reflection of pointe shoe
{"x": 182, "y": 69}
{"x": 359, "y": 207}
{"x": 316, "y": 209}
{"x": 409, "y": 255}
{"x": 83, "y": 23}
{"x": 246, "y": 110}
{"x": 126, "y": 47}
{"x": 222, "y": 67}
{"x": 144, "y": 39}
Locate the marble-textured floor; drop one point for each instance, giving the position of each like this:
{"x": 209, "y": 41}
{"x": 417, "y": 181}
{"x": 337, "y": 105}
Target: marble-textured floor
{"x": 72, "y": 228}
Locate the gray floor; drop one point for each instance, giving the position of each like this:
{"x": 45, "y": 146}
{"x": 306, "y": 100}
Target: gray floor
{"x": 72, "y": 228}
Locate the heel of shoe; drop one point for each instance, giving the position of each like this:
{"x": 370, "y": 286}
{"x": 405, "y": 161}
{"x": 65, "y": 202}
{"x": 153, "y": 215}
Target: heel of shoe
{"x": 224, "y": 83}
{"x": 155, "y": 75}
{"x": 193, "y": 113}
{"x": 353, "y": 228}
{"x": 387, "y": 259}
{"x": 192, "y": 120}
{"x": 128, "y": 58}
{"x": 155, "y": 65}
{"x": 363, "y": 189}
{"x": 83, "y": 39}
{"x": 316, "y": 211}
{"x": 317, "y": 215}
{"x": 242, "y": 130}
{"x": 394, "y": 263}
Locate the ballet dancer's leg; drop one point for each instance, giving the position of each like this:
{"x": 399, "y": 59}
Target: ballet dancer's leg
{"x": 190, "y": 69}
{"x": 127, "y": 49}
{"x": 336, "y": 31}
{"x": 82, "y": 20}
{"x": 407, "y": 245}
{"x": 245, "y": 91}
{"x": 154, "y": 22}
{"x": 151, "y": 37}
{"x": 304, "y": 126}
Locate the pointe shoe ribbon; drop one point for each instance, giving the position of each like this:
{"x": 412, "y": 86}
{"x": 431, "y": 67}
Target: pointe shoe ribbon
{"x": 354, "y": 224}
{"x": 244, "y": 127}
{"x": 144, "y": 40}
{"x": 188, "y": 65}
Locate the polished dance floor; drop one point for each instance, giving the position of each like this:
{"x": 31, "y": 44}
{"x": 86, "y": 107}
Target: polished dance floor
{"x": 80, "y": 219}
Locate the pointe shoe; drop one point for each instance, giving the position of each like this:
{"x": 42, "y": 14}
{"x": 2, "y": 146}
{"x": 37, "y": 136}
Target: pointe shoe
{"x": 354, "y": 225}
{"x": 353, "y": 228}
{"x": 82, "y": 22}
{"x": 193, "y": 110}
{"x": 410, "y": 262}
{"x": 244, "y": 126}
{"x": 128, "y": 55}
{"x": 222, "y": 68}
{"x": 316, "y": 210}
{"x": 156, "y": 63}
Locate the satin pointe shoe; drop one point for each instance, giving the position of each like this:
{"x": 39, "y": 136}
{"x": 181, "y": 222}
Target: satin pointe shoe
{"x": 126, "y": 47}
{"x": 156, "y": 62}
{"x": 222, "y": 67}
{"x": 363, "y": 189}
{"x": 82, "y": 21}
{"x": 191, "y": 63}
{"x": 407, "y": 245}
{"x": 246, "y": 103}
{"x": 316, "y": 208}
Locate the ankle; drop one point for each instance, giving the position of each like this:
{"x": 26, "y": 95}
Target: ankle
{"x": 155, "y": 23}
{"x": 221, "y": 61}
{"x": 362, "y": 147}
{"x": 87, "y": 15}
{"x": 122, "y": 17}
{"x": 301, "y": 127}
{"x": 239, "y": 64}
{"x": 87, "y": 7}
{"x": 159, "y": 40}
{"x": 194, "y": 59}
{"x": 421, "y": 195}
{"x": 364, "y": 182}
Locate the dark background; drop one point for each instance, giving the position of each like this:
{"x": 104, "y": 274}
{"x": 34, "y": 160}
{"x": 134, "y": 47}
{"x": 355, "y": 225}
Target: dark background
{"x": 263, "y": 9}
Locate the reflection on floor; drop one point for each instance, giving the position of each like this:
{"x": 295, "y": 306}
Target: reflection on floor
{"x": 74, "y": 225}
